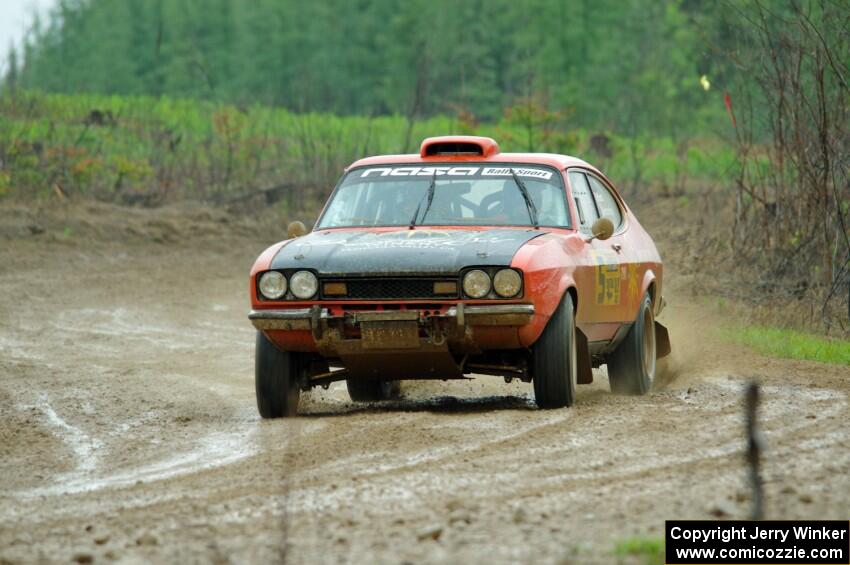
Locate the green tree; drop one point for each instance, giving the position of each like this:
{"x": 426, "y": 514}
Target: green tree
{"x": 622, "y": 65}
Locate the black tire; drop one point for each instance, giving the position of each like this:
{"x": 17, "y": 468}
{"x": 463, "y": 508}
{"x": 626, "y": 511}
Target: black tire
{"x": 372, "y": 390}
{"x": 554, "y": 359}
{"x": 276, "y": 376}
{"x": 632, "y": 366}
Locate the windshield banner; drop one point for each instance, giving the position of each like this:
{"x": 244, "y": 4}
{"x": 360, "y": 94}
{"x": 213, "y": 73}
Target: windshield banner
{"x": 459, "y": 171}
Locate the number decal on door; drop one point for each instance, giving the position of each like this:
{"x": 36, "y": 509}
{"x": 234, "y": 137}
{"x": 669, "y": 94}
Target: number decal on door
{"x": 607, "y": 279}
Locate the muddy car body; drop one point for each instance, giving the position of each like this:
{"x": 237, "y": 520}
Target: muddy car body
{"x": 460, "y": 260}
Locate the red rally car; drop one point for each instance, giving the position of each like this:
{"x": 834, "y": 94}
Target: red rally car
{"x": 455, "y": 261}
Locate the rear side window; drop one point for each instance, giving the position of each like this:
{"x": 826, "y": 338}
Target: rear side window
{"x": 585, "y": 205}
{"x": 605, "y": 201}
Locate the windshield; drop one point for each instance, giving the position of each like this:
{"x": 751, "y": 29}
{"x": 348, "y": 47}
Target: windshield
{"x": 471, "y": 195}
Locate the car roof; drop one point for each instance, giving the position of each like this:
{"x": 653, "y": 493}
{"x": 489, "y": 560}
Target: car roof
{"x": 551, "y": 159}
{"x": 489, "y": 153}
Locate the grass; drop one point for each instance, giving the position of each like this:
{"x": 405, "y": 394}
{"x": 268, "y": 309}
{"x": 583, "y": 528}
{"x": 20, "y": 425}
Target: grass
{"x": 650, "y": 549}
{"x": 791, "y": 344}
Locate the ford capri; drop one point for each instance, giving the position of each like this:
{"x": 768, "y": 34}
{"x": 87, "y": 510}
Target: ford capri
{"x": 456, "y": 261}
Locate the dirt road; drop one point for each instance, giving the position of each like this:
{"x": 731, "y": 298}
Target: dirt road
{"x": 129, "y": 432}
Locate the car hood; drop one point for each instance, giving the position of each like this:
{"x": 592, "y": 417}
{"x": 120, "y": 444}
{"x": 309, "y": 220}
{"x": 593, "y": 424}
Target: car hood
{"x": 419, "y": 251}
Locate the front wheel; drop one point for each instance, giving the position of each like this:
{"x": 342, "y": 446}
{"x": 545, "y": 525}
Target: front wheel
{"x": 631, "y": 368}
{"x": 554, "y": 359}
{"x": 276, "y": 375}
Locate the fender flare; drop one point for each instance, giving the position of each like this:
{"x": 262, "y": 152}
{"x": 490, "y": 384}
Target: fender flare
{"x": 545, "y": 306}
{"x": 662, "y": 336}
{"x": 648, "y": 280}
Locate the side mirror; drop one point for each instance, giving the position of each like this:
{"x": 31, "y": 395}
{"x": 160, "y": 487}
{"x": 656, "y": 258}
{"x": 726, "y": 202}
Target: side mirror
{"x": 297, "y": 229}
{"x": 602, "y": 229}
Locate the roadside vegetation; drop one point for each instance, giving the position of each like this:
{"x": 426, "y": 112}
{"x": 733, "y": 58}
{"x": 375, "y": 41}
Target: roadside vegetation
{"x": 153, "y": 150}
{"x": 791, "y": 344}
{"x": 647, "y": 550}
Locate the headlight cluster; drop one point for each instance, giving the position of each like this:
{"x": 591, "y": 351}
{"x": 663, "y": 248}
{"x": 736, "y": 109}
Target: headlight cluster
{"x": 477, "y": 283}
{"x": 272, "y": 285}
{"x": 507, "y": 283}
{"x": 302, "y": 284}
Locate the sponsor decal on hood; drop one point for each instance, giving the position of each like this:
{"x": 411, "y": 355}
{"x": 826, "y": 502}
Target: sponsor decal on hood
{"x": 400, "y": 252}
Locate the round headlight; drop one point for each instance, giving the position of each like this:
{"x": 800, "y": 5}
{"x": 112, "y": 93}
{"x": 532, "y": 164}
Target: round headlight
{"x": 507, "y": 283}
{"x": 476, "y": 284}
{"x": 272, "y": 285}
{"x": 303, "y": 284}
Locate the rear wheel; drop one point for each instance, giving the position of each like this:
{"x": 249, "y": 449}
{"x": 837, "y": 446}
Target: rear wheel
{"x": 369, "y": 390}
{"x": 554, "y": 359}
{"x": 631, "y": 368}
{"x": 276, "y": 376}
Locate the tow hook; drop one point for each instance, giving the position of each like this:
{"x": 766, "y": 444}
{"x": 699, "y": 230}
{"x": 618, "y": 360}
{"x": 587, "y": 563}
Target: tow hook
{"x": 316, "y": 321}
{"x": 436, "y": 335}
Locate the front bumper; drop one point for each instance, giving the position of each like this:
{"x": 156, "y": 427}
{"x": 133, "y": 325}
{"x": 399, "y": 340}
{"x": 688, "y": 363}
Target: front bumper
{"x": 316, "y": 317}
{"x": 397, "y": 343}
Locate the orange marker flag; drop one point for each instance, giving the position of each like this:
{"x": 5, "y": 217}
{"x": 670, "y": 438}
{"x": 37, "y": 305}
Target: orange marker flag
{"x": 728, "y": 101}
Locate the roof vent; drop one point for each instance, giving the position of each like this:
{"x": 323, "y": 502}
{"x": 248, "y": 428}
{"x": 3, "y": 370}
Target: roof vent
{"x": 459, "y": 146}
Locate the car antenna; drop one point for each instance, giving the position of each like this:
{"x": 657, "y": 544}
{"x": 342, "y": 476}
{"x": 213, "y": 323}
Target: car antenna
{"x": 529, "y": 204}
{"x": 430, "y": 195}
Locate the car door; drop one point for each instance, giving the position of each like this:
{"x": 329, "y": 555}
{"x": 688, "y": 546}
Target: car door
{"x": 624, "y": 257}
{"x": 603, "y": 299}
{"x": 594, "y": 266}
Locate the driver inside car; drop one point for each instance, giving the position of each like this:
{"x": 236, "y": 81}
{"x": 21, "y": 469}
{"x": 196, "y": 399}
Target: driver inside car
{"x": 506, "y": 206}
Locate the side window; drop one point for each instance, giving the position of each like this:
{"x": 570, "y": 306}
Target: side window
{"x": 605, "y": 202}
{"x": 585, "y": 206}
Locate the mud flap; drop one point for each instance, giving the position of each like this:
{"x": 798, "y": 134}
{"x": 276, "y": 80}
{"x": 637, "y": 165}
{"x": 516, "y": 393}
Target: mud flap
{"x": 585, "y": 373}
{"x": 662, "y": 341}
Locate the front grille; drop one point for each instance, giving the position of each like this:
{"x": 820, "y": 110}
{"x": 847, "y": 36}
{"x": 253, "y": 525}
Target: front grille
{"x": 386, "y": 288}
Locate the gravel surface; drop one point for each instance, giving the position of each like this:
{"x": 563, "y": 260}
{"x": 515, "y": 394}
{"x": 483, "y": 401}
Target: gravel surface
{"x": 129, "y": 430}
